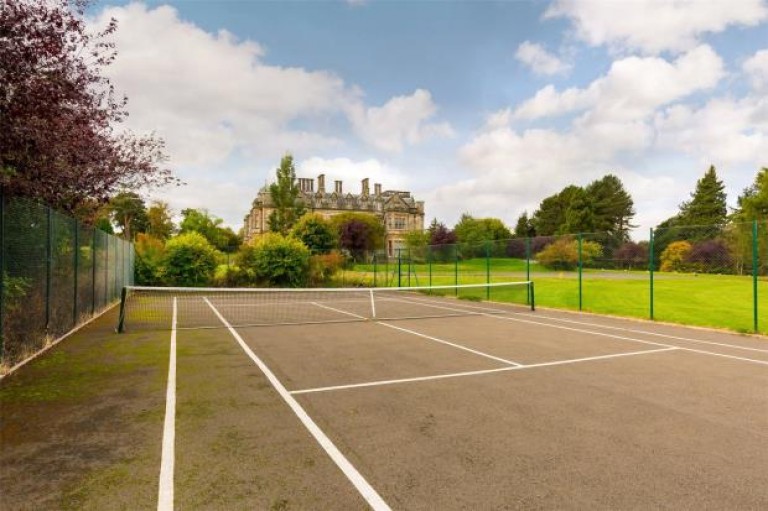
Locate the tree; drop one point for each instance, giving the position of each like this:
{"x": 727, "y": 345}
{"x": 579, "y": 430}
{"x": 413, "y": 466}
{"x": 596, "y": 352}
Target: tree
{"x": 675, "y": 255}
{"x": 472, "y": 230}
{"x": 285, "y": 198}
{"x": 753, "y": 202}
{"x": 707, "y": 205}
{"x": 632, "y": 255}
{"x": 359, "y": 233}
{"x": 129, "y": 212}
{"x": 60, "y": 140}
{"x": 563, "y": 254}
{"x": 160, "y": 220}
{"x": 150, "y": 252}
{"x": 550, "y": 218}
{"x": 439, "y": 234}
{"x": 316, "y": 233}
{"x": 524, "y": 227}
{"x": 201, "y": 221}
{"x": 613, "y": 208}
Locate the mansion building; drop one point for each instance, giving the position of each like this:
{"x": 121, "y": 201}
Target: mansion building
{"x": 396, "y": 210}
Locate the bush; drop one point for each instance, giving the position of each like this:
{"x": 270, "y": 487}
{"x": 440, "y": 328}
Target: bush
{"x": 709, "y": 256}
{"x": 563, "y": 254}
{"x": 316, "y": 233}
{"x": 276, "y": 260}
{"x": 230, "y": 276}
{"x": 149, "y": 259}
{"x": 674, "y": 256}
{"x": 323, "y": 267}
{"x": 632, "y": 255}
{"x": 189, "y": 260}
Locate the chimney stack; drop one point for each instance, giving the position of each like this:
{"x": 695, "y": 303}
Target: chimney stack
{"x": 366, "y": 189}
{"x": 321, "y": 183}
{"x": 377, "y": 189}
{"x": 306, "y": 185}
{"x": 338, "y": 187}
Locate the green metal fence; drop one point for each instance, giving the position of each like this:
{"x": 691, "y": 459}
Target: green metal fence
{"x": 54, "y": 274}
{"x": 715, "y": 276}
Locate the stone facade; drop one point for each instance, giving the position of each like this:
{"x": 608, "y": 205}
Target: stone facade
{"x": 397, "y": 210}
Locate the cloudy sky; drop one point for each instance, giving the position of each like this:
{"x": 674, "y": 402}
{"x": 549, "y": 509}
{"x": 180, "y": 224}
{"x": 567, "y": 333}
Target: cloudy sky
{"x": 475, "y": 106}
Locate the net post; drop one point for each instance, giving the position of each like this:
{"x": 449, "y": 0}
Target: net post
{"x": 754, "y": 275}
{"x": 580, "y": 272}
{"x": 373, "y": 305}
{"x": 650, "y": 270}
{"x": 533, "y": 299}
{"x": 121, "y": 317}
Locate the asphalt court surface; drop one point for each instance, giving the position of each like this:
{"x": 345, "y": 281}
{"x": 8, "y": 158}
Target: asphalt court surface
{"x": 533, "y": 410}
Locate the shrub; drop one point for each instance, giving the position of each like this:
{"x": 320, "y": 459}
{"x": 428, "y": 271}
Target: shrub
{"x": 316, "y": 233}
{"x": 563, "y": 254}
{"x": 230, "y": 276}
{"x": 359, "y": 233}
{"x": 149, "y": 259}
{"x": 323, "y": 267}
{"x": 632, "y": 255}
{"x": 709, "y": 256}
{"x": 276, "y": 260}
{"x": 189, "y": 260}
{"x": 516, "y": 248}
{"x": 674, "y": 256}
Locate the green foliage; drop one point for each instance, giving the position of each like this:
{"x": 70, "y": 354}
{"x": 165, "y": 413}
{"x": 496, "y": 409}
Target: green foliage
{"x": 202, "y": 222}
{"x": 323, "y": 267}
{"x": 524, "y": 227}
{"x": 160, "y": 220}
{"x": 150, "y": 252}
{"x": 707, "y": 205}
{"x": 675, "y": 255}
{"x": 472, "y": 230}
{"x": 129, "y": 213}
{"x": 102, "y": 223}
{"x": 753, "y": 202}
{"x": 316, "y": 233}
{"x": 563, "y": 254}
{"x": 285, "y": 198}
{"x": 276, "y": 260}
{"x": 189, "y": 260}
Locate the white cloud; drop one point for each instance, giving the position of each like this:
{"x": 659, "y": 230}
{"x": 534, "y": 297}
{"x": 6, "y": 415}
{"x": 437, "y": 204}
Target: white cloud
{"x": 634, "y": 87}
{"x": 399, "y": 122}
{"x": 654, "y": 26}
{"x": 756, "y": 67}
{"x": 540, "y": 60}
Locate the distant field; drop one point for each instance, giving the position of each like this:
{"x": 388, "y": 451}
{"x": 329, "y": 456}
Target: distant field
{"x": 722, "y": 301}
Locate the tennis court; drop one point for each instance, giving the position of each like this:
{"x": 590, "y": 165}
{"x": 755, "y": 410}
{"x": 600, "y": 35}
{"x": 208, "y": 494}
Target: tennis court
{"x": 415, "y": 401}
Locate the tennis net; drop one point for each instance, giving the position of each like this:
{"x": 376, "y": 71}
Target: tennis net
{"x": 144, "y": 308}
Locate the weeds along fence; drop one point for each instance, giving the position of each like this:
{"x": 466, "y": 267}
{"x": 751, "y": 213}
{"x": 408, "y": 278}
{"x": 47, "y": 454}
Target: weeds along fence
{"x": 54, "y": 274}
{"x": 714, "y": 276}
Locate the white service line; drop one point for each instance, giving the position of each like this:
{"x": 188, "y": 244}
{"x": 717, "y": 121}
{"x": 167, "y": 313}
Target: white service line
{"x": 165, "y": 491}
{"x": 474, "y": 373}
{"x": 459, "y": 346}
{"x": 614, "y": 336}
{"x": 362, "y": 486}
{"x": 338, "y": 310}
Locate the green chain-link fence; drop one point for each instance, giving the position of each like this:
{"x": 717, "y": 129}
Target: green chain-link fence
{"x": 713, "y": 276}
{"x": 54, "y": 274}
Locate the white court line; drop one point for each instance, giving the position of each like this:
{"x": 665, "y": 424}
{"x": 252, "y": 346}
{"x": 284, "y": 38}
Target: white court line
{"x": 459, "y": 346}
{"x": 474, "y": 373}
{"x": 362, "y": 486}
{"x": 338, "y": 310}
{"x": 165, "y": 492}
{"x": 607, "y": 327}
{"x": 614, "y": 336}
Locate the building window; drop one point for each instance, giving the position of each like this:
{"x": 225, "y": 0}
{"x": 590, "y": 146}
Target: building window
{"x": 399, "y": 223}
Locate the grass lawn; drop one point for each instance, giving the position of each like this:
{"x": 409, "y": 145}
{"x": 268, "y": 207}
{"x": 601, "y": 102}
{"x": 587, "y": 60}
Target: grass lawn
{"x": 722, "y": 301}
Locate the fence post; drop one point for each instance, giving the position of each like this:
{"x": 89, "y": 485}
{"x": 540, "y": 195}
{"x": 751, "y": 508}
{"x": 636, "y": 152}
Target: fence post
{"x": 528, "y": 267}
{"x": 581, "y": 295}
{"x": 374, "y": 269}
{"x": 93, "y": 270}
{"x": 429, "y": 264}
{"x": 456, "y": 268}
{"x": 650, "y": 270}
{"x": 106, "y": 270}
{"x": 399, "y": 267}
{"x": 2, "y": 273}
{"x": 754, "y": 272}
{"x": 487, "y": 269}
{"x": 77, "y": 265}
{"x": 410, "y": 266}
{"x": 48, "y": 267}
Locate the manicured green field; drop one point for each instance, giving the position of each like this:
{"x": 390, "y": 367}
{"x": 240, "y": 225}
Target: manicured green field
{"x": 721, "y": 301}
